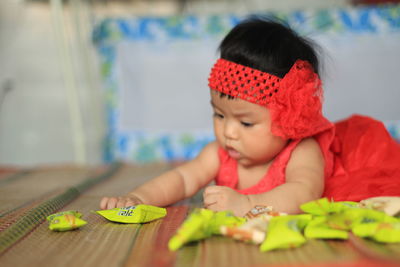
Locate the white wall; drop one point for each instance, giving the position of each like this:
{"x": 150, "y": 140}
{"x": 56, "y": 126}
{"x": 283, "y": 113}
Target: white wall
{"x": 37, "y": 124}
{"x": 35, "y": 115}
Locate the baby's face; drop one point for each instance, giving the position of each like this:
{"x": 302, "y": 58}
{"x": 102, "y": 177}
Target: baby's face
{"x": 243, "y": 129}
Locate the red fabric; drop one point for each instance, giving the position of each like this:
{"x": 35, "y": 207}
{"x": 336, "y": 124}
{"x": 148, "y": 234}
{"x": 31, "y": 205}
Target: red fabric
{"x": 228, "y": 176}
{"x": 361, "y": 161}
{"x": 243, "y": 82}
{"x": 367, "y": 161}
{"x": 296, "y": 111}
{"x": 295, "y": 101}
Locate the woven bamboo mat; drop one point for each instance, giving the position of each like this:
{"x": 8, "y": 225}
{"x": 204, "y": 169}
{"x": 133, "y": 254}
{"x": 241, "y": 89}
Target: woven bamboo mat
{"x": 27, "y": 196}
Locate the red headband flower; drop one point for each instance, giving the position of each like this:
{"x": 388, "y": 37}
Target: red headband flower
{"x": 294, "y": 102}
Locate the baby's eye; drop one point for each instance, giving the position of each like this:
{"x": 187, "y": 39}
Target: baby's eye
{"x": 246, "y": 124}
{"x": 218, "y": 115}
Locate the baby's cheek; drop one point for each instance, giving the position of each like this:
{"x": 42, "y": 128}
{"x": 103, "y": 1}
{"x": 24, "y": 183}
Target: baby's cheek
{"x": 218, "y": 136}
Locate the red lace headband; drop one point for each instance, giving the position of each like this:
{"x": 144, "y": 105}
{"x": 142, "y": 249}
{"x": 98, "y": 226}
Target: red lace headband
{"x": 295, "y": 101}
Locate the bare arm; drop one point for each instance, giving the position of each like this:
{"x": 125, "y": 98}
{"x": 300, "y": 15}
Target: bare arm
{"x": 174, "y": 185}
{"x": 304, "y": 180}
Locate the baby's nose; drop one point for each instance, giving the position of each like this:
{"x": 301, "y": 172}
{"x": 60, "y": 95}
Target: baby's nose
{"x": 230, "y": 131}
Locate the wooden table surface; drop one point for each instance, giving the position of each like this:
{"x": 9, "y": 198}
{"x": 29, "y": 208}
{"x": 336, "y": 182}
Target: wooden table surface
{"x": 27, "y": 196}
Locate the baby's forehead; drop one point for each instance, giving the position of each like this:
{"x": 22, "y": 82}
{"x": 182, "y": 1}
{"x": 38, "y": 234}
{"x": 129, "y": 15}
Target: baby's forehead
{"x": 235, "y": 104}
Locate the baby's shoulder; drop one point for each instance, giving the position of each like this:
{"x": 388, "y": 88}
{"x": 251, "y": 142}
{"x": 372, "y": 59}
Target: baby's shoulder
{"x": 308, "y": 151}
{"x": 308, "y": 144}
{"x": 207, "y": 161}
{"x": 209, "y": 153}
{"x": 211, "y": 147}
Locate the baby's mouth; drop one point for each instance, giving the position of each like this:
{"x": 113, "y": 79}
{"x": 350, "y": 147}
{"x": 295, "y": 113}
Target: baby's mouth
{"x": 233, "y": 153}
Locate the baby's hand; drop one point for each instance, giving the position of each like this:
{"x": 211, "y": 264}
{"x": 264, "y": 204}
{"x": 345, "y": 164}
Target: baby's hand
{"x": 219, "y": 198}
{"x": 119, "y": 202}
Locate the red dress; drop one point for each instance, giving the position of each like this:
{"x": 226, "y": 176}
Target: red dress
{"x": 361, "y": 160}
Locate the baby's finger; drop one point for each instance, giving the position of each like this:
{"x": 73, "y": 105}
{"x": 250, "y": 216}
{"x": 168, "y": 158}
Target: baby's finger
{"x": 131, "y": 203}
{"x": 212, "y": 189}
{"x": 103, "y": 203}
{"x": 215, "y": 207}
{"x": 210, "y": 199}
{"x": 124, "y": 202}
{"x": 121, "y": 203}
{"x": 112, "y": 202}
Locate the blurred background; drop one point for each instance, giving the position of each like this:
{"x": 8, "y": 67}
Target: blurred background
{"x": 95, "y": 81}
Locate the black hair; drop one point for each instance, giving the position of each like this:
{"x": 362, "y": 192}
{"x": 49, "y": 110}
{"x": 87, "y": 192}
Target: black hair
{"x": 268, "y": 45}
